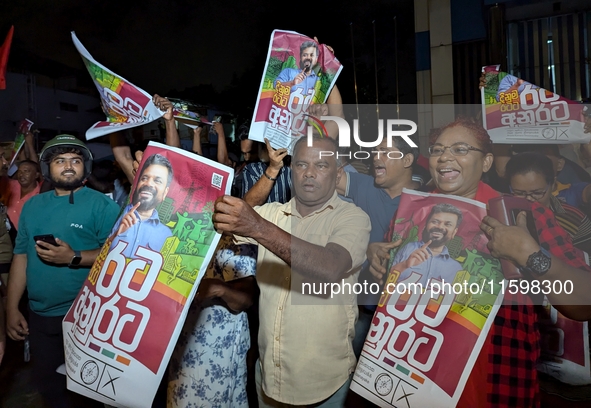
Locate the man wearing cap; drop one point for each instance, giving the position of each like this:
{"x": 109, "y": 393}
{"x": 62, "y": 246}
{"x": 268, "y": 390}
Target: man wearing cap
{"x": 80, "y": 220}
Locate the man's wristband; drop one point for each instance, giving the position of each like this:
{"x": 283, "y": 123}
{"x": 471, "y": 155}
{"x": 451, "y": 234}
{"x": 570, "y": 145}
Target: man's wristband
{"x": 269, "y": 177}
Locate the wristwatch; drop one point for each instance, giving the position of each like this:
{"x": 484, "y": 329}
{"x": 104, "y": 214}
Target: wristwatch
{"x": 76, "y": 259}
{"x": 538, "y": 263}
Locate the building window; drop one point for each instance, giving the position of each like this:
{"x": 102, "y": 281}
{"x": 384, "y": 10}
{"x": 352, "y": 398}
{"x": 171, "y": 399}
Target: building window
{"x": 553, "y": 53}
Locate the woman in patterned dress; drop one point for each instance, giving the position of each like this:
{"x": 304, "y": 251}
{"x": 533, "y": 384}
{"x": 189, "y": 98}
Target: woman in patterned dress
{"x": 208, "y": 366}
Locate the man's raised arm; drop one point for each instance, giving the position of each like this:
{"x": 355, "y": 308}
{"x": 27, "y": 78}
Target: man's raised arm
{"x": 324, "y": 263}
{"x": 258, "y": 194}
{"x": 172, "y": 134}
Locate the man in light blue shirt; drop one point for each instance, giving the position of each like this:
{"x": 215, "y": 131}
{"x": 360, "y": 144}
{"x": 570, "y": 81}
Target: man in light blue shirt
{"x": 430, "y": 257}
{"x": 510, "y": 83}
{"x": 304, "y": 78}
{"x": 140, "y": 225}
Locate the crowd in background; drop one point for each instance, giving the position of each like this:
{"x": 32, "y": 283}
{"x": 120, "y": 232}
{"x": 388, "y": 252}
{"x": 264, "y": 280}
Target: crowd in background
{"x": 236, "y": 349}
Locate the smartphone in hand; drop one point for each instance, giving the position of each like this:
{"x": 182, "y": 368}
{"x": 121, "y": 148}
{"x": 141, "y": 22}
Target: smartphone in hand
{"x": 47, "y": 238}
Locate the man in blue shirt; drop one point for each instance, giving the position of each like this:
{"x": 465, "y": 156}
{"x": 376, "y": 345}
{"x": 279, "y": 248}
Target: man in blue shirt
{"x": 271, "y": 177}
{"x": 140, "y": 225}
{"x": 430, "y": 257}
{"x": 379, "y": 195}
{"x": 304, "y": 78}
{"x": 510, "y": 83}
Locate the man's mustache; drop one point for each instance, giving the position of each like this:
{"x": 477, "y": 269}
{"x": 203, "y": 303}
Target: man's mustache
{"x": 432, "y": 230}
{"x": 147, "y": 189}
{"x": 312, "y": 184}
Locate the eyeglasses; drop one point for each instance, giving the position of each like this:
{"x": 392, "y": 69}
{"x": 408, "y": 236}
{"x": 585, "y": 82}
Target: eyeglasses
{"x": 535, "y": 195}
{"x": 457, "y": 149}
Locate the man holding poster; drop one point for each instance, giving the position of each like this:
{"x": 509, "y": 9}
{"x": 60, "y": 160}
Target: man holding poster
{"x": 305, "y": 339}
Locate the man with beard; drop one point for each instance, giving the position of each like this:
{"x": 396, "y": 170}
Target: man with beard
{"x": 305, "y": 77}
{"x": 141, "y": 226}
{"x": 80, "y": 219}
{"x": 430, "y": 257}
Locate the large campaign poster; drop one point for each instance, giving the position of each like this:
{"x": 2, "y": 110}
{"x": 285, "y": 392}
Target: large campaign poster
{"x": 125, "y": 105}
{"x": 515, "y": 111}
{"x": 122, "y": 328}
{"x": 439, "y": 301}
{"x": 299, "y": 72}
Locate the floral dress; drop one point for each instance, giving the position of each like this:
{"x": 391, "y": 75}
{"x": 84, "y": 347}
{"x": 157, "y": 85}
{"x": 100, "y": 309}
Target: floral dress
{"x": 208, "y": 365}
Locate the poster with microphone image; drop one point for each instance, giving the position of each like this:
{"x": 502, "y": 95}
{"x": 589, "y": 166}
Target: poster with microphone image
{"x": 299, "y": 72}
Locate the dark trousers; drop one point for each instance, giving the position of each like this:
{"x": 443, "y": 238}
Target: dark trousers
{"x": 47, "y": 354}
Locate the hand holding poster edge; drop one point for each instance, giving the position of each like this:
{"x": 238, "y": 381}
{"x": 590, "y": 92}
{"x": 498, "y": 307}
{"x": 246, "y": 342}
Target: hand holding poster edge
{"x": 24, "y": 128}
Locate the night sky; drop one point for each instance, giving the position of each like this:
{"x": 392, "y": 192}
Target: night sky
{"x": 214, "y": 51}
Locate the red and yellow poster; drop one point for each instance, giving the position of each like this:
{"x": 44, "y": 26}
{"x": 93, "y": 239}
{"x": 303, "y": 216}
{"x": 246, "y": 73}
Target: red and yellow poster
{"x": 441, "y": 296}
{"x": 515, "y": 111}
{"x": 123, "y": 326}
{"x": 299, "y": 72}
{"x": 125, "y": 105}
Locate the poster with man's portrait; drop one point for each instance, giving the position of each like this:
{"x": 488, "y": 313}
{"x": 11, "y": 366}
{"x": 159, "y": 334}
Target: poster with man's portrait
{"x": 126, "y": 319}
{"x": 442, "y": 292}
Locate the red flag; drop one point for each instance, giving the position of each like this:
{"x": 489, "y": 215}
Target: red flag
{"x": 4, "y": 50}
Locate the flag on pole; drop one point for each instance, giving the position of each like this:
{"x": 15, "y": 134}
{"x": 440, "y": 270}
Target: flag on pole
{"x": 4, "y": 51}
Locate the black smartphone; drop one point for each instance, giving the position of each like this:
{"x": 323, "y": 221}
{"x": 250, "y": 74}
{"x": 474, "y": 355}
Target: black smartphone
{"x": 47, "y": 238}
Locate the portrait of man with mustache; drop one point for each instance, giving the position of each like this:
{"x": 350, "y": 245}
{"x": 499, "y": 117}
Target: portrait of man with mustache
{"x": 306, "y": 76}
{"x": 430, "y": 256}
{"x": 140, "y": 224}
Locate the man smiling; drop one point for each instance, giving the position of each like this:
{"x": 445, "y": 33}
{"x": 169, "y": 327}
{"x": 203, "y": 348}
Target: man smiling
{"x": 53, "y": 274}
{"x": 305, "y": 77}
{"x": 140, "y": 226}
{"x": 430, "y": 257}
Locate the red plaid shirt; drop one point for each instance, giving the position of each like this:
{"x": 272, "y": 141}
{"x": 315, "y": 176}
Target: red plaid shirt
{"x": 507, "y": 361}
